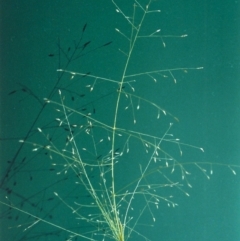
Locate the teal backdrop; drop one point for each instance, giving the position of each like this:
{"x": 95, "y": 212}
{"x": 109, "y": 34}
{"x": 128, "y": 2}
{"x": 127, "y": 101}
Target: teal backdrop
{"x": 206, "y": 102}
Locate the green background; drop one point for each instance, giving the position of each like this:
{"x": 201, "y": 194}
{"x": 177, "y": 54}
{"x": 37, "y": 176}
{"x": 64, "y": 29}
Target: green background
{"x": 205, "y": 101}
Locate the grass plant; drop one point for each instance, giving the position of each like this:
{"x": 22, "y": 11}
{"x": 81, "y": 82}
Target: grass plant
{"x": 103, "y": 146}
